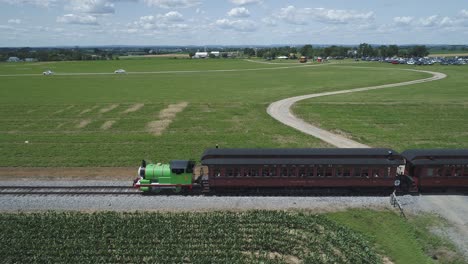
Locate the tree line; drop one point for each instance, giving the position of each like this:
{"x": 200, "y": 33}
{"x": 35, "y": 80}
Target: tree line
{"x": 363, "y": 50}
{"x": 56, "y": 54}
{"x": 76, "y": 53}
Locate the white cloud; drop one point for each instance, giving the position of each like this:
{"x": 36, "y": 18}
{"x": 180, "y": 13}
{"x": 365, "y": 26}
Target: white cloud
{"x": 171, "y": 16}
{"x": 238, "y": 25}
{"x": 269, "y": 21}
{"x": 246, "y": 2}
{"x": 301, "y": 16}
{"x": 93, "y": 6}
{"x": 172, "y": 3}
{"x": 464, "y": 13}
{"x": 342, "y": 16}
{"x": 293, "y": 15}
{"x": 77, "y": 19}
{"x": 433, "y": 22}
{"x": 239, "y": 12}
{"x": 41, "y": 3}
{"x": 158, "y": 22}
{"x": 429, "y": 21}
{"x": 5, "y": 27}
{"x": 403, "y": 21}
{"x": 14, "y": 21}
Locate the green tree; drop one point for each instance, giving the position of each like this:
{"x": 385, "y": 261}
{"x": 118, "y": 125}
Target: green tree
{"x": 307, "y": 51}
{"x": 392, "y": 50}
{"x": 418, "y": 51}
{"x": 249, "y": 52}
{"x": 366, "y": 50}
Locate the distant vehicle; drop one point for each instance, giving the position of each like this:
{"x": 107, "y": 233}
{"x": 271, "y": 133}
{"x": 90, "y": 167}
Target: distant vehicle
{"x": 48, "y": 72}
{"x": 120, "y": 71}
{"x": 303, "y": 59}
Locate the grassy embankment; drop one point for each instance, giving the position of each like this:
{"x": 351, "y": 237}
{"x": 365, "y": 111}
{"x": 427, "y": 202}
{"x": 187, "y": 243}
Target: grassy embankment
{"x": 358, "y": 236}
{"x": 428, "y": 115}
{"x": 81, "y": 120}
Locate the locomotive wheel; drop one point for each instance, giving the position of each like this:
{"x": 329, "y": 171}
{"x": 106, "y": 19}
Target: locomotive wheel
{"x": 177, "y": 189}
{"x": 155, "y": 190}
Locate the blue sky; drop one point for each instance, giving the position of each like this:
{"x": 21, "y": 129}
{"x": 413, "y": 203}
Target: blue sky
{"x": 231, "y": 22}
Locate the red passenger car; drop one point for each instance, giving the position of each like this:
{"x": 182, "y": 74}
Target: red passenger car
{"x": 438, "y": 169}
{"x": 304, "y": 169}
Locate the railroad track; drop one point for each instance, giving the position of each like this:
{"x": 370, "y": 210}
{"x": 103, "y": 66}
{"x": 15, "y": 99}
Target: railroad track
{"x": 68, "y": 190}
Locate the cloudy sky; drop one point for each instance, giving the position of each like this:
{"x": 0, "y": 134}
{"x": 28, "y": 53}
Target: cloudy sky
{"x": 231, "y": 22}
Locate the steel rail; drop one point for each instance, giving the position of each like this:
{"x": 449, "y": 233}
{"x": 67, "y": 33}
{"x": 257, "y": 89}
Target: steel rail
{"x": 68, "y": 190}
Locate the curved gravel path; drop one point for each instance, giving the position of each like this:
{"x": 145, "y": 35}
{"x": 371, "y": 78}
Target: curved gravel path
{"x": 281, "y": 111}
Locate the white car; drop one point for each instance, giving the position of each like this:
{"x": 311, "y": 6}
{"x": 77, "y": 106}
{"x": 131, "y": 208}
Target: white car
{"x": 48, "y": 72}
{"x": 120, "y": 71}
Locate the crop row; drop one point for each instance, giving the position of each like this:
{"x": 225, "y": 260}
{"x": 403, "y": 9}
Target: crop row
{"x": 215, "y": 237}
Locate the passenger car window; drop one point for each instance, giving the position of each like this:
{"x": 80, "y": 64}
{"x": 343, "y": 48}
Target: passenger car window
{"x": 430, "y": 172}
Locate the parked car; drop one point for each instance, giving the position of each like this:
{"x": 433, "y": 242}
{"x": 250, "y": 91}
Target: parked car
{"x": 48, "y": 72}
{"x": 120, "y": 71}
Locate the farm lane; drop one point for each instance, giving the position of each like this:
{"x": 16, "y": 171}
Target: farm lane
{"x": 281, "y": 111}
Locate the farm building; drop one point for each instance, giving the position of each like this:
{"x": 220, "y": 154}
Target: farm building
{"x": 13, "y": 59}
{"x": 200, "y": 55}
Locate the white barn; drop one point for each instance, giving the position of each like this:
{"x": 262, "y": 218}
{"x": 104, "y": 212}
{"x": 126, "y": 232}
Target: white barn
{"x": 200, "y": 55}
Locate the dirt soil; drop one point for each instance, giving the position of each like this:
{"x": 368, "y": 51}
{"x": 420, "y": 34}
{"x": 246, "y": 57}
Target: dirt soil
{"x": 68, "y": 173}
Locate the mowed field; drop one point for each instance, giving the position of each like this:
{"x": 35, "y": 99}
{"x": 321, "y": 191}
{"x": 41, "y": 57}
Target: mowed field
{"x": 428, "y": 115}
{"x": 85, "y": 115}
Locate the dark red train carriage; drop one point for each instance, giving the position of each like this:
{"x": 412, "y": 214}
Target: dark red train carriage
{"x": 437, "y": 169}
{"x": 275, "y": 169}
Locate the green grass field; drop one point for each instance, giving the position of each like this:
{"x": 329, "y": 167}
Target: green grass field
{"x": 356, "y": 236}
{"x": 429, "y": 115}
{"x": 65, "y": 118}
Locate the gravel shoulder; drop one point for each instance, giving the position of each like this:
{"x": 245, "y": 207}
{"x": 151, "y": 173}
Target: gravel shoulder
{"x": 453, "y": 208}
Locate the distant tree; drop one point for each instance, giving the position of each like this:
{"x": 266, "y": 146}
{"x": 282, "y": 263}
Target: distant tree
{"x": 307, "y": 50}
{"x": 403, "y": 53}
{"x": 383, "y": 51}
{"x": 249, "y": 52}
{"x": 366, "y": 50}
{"x": 418, "y": 51}
{"x": 392, "y": 50}
{"x": 191, "y": 54}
